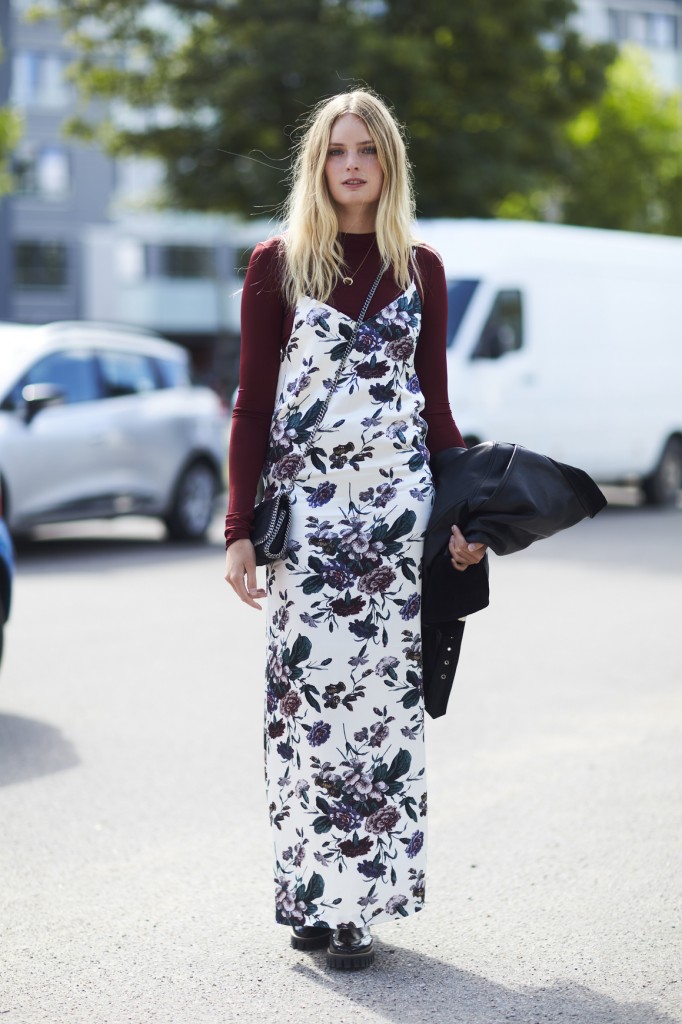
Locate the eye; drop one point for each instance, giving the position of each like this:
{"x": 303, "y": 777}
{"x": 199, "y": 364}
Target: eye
{"x": 334, "y": 151}
{"x": 371, "y": 150}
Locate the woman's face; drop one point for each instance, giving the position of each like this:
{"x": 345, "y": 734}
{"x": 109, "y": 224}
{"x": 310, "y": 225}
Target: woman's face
{"x": 352, "y": 169}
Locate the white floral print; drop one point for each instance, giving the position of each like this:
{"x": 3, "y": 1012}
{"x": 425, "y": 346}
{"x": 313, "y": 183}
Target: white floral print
{"x": 344, "y": 707}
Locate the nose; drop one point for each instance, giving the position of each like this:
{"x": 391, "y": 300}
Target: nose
{"x": 351, "y": 159}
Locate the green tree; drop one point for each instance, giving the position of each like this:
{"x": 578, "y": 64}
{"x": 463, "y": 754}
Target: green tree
{"x": 219, "y": 87}
{"x": 10, "y": 133}
{"x": 622, "y": 158}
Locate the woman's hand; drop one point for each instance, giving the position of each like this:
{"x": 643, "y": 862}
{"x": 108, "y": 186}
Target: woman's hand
{"x": 462, "y": 554}
{"x": 241, "y": 562}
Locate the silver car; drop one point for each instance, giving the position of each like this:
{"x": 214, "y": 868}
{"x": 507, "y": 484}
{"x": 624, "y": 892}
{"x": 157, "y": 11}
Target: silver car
{"x": 101, "y": 421}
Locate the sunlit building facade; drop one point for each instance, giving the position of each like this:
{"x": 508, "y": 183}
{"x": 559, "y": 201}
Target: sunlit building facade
{"x": 655, "y": 25}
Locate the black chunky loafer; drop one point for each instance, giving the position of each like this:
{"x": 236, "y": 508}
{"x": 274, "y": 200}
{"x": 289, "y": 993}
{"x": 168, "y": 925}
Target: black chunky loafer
{"x": 305, "y": 936}
{"x": 350, "y": 948}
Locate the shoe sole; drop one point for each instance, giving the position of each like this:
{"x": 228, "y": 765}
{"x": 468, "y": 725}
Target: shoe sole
{"x": 350, "y": 961}
{"x": 321, "y": 942}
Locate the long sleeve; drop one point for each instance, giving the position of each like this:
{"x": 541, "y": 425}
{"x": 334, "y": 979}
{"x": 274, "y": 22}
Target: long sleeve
{"x": 431, "y": 359}
{"x": 262, "y": 317}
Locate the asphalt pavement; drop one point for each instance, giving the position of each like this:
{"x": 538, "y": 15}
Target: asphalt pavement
{"x": 135, "y": 851}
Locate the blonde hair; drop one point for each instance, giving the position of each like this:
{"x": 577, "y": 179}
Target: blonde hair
{"x": 312, "y": 254}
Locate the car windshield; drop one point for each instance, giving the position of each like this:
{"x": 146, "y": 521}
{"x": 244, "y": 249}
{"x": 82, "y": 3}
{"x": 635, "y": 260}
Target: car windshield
{"x": 460, "y": 294}
{"x": 16, "y": 351}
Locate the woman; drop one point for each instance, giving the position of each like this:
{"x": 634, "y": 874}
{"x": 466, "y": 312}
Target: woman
{"x": 344, "y": 707}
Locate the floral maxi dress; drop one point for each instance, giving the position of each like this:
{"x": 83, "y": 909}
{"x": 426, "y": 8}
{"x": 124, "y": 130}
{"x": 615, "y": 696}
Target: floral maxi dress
{"x": 344, "y": 728}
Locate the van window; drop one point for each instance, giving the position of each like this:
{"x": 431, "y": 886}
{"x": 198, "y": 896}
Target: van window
{"x": 503, "y": 331}
{"x": 460, "y": 294}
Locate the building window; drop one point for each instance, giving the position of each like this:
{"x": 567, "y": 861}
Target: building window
{"x": 40, "y": 265}
{"x": 24, "y": 168}
{"x": 657, "y": 31}
{"x": 662, "y": 31}
{"x": 129, "y": 260}
{"x": 637, "y": 28}
{"x": 38, "y": 80}
{"x": 43, "y": 171}
{"x": 53, "y": 172}
{"x": 617, "y": 26}
{"x": 187, "y": 261}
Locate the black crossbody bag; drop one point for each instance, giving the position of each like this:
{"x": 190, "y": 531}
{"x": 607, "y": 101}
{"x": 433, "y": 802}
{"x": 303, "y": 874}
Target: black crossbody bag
{"x": 272, "y": 516}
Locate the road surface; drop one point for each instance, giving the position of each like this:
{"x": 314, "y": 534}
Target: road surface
{"x": 135, "y": 853}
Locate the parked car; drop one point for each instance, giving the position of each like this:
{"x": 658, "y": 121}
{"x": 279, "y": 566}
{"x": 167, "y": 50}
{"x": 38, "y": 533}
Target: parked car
{"x": 98, "y": 421}
{"x": 568, "y": 340}
{"x": 6, "y": 574}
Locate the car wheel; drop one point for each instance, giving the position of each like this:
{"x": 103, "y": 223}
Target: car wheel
{"x": 663, "y": 486}
{"x": 192, "y": 510}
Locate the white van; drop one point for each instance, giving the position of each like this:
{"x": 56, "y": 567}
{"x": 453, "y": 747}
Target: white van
{"x": 569, "y": 341}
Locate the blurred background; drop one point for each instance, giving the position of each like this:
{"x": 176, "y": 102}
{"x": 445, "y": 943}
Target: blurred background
{"x": 141, "y": 142}
{"x": 144, "y": 150}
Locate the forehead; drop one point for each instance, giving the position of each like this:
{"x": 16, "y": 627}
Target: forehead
{"x": 351, "y": 128}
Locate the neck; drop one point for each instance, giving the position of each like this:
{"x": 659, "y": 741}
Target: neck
{"x": 359, "y": 221}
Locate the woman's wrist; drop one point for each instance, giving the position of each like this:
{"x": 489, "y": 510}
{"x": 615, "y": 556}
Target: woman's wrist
{"x": 238, "y": 526}
{"x": 231, "y": 538}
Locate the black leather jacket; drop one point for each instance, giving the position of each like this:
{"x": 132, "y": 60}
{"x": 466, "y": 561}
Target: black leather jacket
{"x": 504, "y": 496}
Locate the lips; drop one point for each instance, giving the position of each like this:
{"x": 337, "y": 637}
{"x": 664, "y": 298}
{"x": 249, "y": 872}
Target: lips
{"x": 354, "y": 182}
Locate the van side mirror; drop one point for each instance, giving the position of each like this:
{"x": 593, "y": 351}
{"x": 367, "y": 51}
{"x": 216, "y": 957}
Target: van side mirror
{"x": 40, "y": 396}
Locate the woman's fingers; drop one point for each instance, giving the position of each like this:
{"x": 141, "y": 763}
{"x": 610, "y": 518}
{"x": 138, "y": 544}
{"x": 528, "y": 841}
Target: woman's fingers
{"x": 463, "y": 554}
{"x": 240, "y": 573}
{"x": 245, "y": 594}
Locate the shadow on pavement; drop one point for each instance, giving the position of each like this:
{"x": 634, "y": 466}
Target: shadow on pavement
{"x": 29, "y": 749}
{"x": 409, "y": 988}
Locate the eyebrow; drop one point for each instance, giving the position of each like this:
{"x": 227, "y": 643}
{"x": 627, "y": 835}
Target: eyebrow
{"x": 367, "y": 142}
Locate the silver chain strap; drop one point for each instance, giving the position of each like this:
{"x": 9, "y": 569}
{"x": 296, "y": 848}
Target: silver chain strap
{"x": 342, "y": 363}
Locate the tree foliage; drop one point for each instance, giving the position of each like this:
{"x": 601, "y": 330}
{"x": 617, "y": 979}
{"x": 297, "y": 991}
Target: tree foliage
{"x": 622, "y": 158}
{"x": 216, "y": 88}
{"x": 10, "y": 132}
{"x": 626, "y": 167}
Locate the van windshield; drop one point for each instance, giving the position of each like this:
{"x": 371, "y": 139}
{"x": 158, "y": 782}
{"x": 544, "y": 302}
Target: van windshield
{"x": 460, "y": 294}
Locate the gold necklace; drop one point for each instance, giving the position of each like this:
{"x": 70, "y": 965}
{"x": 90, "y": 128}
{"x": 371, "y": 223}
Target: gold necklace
{"x": 349, "y": 280}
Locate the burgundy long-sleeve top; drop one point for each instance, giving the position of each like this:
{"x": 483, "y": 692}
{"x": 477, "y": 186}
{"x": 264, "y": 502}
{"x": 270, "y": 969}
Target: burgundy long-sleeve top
{"x": 266, "y": 323}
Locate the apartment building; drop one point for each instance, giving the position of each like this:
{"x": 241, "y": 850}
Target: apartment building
{"x": 75, "y": 239}
{"x": 655, "y": 25}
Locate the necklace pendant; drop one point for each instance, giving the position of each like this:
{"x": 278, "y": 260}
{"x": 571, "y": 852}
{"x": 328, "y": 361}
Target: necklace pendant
{"x": 348, "y": 280}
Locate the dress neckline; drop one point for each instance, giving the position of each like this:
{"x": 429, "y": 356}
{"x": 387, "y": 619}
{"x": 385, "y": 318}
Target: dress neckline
{"x": 353, "y": 320}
